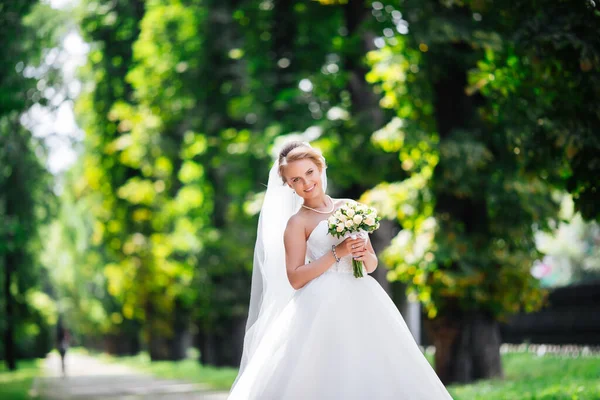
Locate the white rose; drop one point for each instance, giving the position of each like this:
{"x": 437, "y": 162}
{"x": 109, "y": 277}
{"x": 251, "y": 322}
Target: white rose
{"x": 350, "y": 213}
{"x": 349, "y": 223}
{"x": 343, "y": 218}
{"x": 340, "y": 228}
{"x": 357, "y": 219}
{"x": 370, "y": 221}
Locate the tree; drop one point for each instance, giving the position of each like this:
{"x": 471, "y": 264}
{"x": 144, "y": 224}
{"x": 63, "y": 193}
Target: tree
{"x": 275, "y": 66}
{"x": 26, "y": 196}
{"x": 75, "y": 268}
{"x": 187, "y": 99}
{"x": 472, "y": 200}
{"x": 544, "y": 89}
{"x": 111, "y": 28}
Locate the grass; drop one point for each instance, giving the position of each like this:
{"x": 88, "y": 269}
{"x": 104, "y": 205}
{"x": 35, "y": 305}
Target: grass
{"x": 189, "y": 370}
{"x": 527, "y": 377}
{"x": 16, "y": 385}
{"x": 532, "y": 377}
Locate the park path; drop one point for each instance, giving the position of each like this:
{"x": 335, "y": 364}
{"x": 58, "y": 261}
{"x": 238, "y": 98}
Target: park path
{"x": 90, "y": 379}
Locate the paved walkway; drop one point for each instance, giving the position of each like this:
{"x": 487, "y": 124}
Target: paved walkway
{"x": 89, "y": 379}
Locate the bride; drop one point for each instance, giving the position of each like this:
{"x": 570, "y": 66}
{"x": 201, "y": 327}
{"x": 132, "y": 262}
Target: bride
{"x": 314, "y": 331}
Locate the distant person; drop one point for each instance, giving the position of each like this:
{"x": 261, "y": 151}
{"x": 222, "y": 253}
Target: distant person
{"x": 62, "y": 343}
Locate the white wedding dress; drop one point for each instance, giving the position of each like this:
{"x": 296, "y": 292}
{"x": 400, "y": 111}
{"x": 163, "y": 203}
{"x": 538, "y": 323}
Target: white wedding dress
{"x": 339, "y": 337}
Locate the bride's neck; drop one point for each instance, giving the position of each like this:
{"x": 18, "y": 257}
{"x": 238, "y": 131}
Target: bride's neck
{"x": 321, "y": 202}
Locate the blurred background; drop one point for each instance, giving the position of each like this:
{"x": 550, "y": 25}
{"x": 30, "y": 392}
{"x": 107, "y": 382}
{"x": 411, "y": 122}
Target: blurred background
{"x": 135, "y": 143}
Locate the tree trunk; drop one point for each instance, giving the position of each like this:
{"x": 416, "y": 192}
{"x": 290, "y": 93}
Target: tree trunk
{"x": 222, "y": 348}
{"x": 369, "y": 116}
{"x": 206, "y": 345}
{"x": 10, "y": 264}
{"x": 365, "y": 103}
{"x": 9, "y": 333}
{"x": 467, "y": 348}
{"x": 181, "y": 336}
{"x": 467, "y": 343}
{"x": 168, "y": 346}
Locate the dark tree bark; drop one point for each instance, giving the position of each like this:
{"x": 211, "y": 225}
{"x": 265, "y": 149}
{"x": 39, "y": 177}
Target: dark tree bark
{"x": 162, "y": 346}
{"x": 206, "y": 344}
{"x": 365, "y": 103}
{"x": 120, "y": 344}
{"x": 466, "y": 348}
{"x": 218, "y": 338}
{"x": 11, "y": 259}
{"x": 467, "y": 345}
{"x": 222, "y": 348}
{"x": 9, "y": 330}
{"x": 368, "y": 114}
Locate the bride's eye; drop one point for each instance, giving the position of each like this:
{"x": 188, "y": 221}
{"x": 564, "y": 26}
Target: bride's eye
{"x": 310, "y": 172}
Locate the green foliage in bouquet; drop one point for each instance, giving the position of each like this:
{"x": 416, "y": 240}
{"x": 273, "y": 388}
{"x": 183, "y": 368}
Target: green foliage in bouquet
{"x": 353, "y": 218}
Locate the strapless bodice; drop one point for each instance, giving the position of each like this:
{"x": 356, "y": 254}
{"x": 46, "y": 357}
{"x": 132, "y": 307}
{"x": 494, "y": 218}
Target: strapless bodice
{"x": 319, "y": 242}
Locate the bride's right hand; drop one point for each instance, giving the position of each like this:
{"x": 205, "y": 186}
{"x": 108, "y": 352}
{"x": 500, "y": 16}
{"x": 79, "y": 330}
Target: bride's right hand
{"x": 345, "y": 247}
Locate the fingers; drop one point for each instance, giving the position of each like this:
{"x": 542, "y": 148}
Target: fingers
{"x": 359, "y": 255}
{"x": 358, "y": 251}
{"x": 355, "y": 246}
{"x": 350, "y": 241}
{"x": 358, "y": 239}
{"x": 358, "y": 244}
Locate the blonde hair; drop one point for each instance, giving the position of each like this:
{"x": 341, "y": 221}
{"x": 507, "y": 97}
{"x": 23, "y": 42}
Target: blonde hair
{"x": 297, "y": 150}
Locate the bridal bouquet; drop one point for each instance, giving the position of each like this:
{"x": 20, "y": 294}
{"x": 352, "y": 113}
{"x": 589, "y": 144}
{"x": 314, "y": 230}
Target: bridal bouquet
{"x": 354, "y": 220}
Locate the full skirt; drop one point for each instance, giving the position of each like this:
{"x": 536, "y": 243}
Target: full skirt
{"x": 339, "y": 337}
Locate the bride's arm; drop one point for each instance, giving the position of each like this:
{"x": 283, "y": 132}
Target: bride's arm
{"x": 299, "y": 273}
{"x": 368, "y": 257}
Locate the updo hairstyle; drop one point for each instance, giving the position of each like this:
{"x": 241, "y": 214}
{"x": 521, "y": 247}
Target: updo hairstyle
{"x": 296, "y": 150}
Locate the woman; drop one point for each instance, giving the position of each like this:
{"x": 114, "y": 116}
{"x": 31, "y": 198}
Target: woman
{"x": 314, "y": 330}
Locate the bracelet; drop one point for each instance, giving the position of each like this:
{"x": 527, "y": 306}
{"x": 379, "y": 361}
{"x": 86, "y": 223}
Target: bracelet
{"x": 334, "y": 255}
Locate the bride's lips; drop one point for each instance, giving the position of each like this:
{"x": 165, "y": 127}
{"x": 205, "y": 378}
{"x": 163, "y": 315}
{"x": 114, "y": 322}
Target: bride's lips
{"x": 310, "y": 189}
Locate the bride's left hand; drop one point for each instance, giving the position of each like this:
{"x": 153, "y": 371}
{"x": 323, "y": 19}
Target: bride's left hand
{"x": 359, "y": 249}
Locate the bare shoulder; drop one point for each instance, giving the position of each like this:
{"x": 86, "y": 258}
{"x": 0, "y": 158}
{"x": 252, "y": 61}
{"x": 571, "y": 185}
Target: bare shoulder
{"x": 294, "y": 231}
{"x": 295, "y": 220}
{"x": 295, "y": 223}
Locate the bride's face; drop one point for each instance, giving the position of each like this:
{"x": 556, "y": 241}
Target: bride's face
{"x": 304, "y": 177}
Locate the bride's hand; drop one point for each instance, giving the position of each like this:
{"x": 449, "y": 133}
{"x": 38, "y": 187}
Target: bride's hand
{"x": 356, "y": 247}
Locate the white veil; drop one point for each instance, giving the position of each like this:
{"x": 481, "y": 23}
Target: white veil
{"x": 271, "y": 289}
